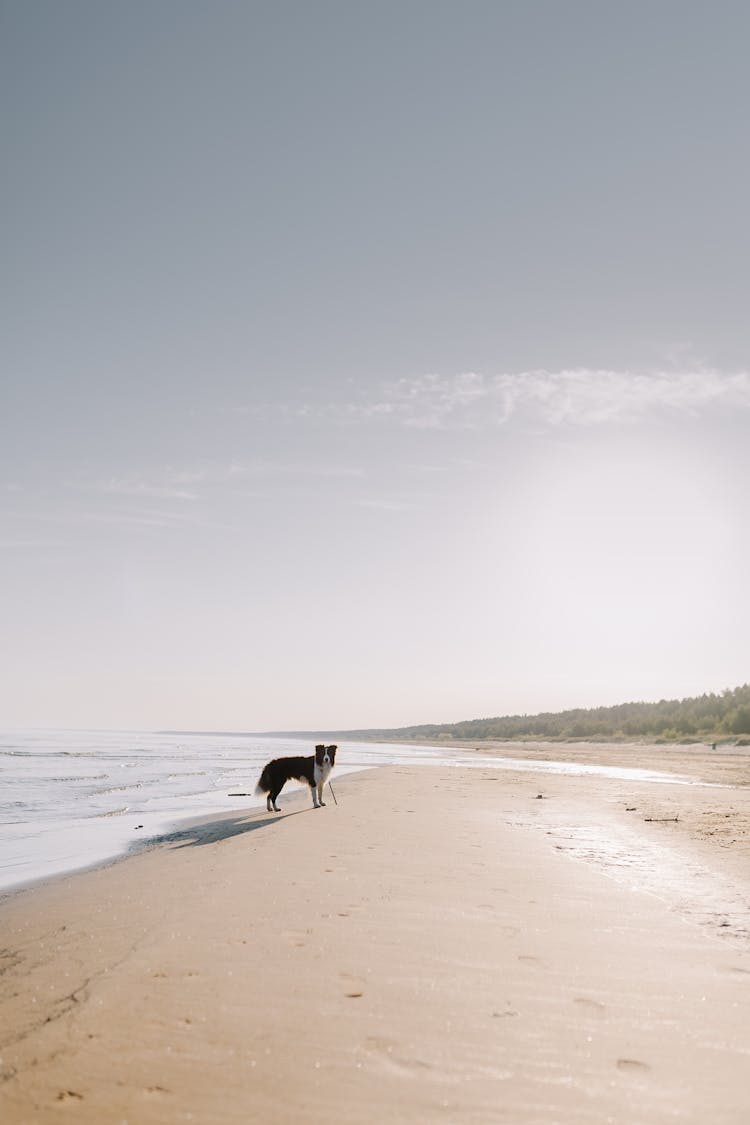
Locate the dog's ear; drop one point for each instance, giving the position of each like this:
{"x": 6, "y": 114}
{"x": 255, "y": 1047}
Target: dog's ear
{"x": 332, "y": 753}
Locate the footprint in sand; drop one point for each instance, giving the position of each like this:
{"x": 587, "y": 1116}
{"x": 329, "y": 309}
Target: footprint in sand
{"x": 529, "y": 959}
{"x": 632, "y": 1065}
{"x": 591, "y": 1006}
{"x": 354, "y": 980}
{"x": 379, "y": 1044}
{"x": 355, "y": 985}
{"x": 295, "y": 937}
{"x": 384, "y": 1051}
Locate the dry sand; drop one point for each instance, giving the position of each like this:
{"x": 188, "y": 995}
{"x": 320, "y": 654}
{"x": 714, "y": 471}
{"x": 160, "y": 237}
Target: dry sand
{"x": 444, "y": 945}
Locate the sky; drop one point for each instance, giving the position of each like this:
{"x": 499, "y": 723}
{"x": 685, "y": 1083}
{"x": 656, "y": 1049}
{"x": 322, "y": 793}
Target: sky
{"x": 368, "y": 364}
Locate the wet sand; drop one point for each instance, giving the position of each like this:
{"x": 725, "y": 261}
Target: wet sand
{"x": 443, "y": 945}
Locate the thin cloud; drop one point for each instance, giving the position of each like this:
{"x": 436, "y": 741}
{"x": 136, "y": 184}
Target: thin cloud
{"x": 146, "y": 490}
{"x": 133, "y": 518}
{"x": 266, "y": 469}
{"x": 27, "y": 544}
{"x": 385, "y": 505}
{"x": 116, "y": 517}
{"x": 579, "y": 397}
{"x": 192, "y": 484}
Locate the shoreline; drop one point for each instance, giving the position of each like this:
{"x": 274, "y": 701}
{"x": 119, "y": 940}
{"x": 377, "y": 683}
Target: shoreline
{"x": 730, "y": 764}
{"x": 435, "y": 947}
{"x": 699, "y": 763}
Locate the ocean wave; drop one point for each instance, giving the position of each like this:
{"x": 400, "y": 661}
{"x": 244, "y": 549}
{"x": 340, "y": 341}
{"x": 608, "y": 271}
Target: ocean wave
{"x": 45, "y": 800}
{"x": 76, "y": 777}
{"x": 30, "y": 753}
{"x": 116, "y": 789}
{"x": 39, "y": 755}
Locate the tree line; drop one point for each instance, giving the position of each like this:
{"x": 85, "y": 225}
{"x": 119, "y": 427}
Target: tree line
{"x": 708, "y": 717}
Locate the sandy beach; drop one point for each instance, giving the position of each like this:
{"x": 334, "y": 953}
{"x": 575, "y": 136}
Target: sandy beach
{"x": 444, "y": 944}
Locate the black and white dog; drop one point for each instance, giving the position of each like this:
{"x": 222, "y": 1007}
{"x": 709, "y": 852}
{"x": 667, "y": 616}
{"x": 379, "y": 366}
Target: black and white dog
{"x": 313, "y": 770}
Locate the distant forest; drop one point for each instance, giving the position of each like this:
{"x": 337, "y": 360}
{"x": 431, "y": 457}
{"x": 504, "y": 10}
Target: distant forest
{"x": 702, "y": 718}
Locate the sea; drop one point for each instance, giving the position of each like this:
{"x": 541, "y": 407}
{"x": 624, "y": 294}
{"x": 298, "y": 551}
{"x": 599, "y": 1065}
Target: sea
{"x": 73, "y": 799}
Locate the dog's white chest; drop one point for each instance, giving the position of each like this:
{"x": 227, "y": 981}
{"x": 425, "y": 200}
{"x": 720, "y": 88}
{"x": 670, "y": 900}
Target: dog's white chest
{"x": 322, "y": 772}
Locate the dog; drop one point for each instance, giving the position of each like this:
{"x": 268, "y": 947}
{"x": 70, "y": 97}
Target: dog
{"x": 313, "y": 770}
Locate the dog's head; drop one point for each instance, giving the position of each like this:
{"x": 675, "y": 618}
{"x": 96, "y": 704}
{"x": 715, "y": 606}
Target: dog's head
{"x": 325, "y": 755}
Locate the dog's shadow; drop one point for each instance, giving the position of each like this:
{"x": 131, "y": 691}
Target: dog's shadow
{"x": 214, "y": 831}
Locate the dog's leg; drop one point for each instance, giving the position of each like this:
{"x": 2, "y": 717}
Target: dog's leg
{"x": 314, "y": 796}
{"x": 272, "y": 799}
{"x": 320, "y": 794}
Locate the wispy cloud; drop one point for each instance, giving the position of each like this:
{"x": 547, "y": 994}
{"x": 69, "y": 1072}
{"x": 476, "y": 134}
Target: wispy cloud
{"x": 271, "y": 469}
{"x": 580, "y": 396}
{"x": 24, "y": 544}
{"x": 168, "y": 489}
{"x": 132, "y": 518}
{"x": 184, "y": 485}
{"x": 121, "y": 515}
{"x": 385, "y": 505}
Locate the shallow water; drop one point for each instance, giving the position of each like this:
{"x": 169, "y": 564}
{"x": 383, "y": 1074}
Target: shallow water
{"x": 661, "y": 868}
{"x": 576, "y": 769}
{"x": 69, "y": 799}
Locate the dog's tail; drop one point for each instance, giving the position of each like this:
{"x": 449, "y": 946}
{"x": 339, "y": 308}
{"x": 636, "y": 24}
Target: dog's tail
{"x": 264, "y": 782}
